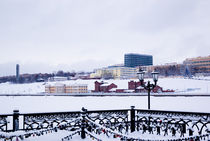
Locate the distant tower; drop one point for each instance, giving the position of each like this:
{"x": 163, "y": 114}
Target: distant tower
{"x": 17, "y": 73}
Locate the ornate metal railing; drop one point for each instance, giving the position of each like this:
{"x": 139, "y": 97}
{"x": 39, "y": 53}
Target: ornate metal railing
{"x": 4, "y": 122}
{"x": 120, "y": 123}
{"x": 112, "y": 119}
{"x": 173, "y": 121}
{"x": 46, "y": 120}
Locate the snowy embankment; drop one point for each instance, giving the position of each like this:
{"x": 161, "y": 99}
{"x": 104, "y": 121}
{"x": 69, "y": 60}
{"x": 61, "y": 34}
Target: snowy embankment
{"x": 180, "y": 85}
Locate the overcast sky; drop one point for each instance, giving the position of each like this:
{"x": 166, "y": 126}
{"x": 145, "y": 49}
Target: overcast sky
{"x": 51, "y": 35}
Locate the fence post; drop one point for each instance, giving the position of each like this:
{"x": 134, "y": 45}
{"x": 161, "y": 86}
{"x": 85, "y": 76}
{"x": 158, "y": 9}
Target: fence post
{"x": 132, "y": 118}
{"x": 83, "y": 124}
{"x": 15, "y": 120}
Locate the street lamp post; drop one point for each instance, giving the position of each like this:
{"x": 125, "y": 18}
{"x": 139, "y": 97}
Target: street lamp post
{"x": 148, "y": 86}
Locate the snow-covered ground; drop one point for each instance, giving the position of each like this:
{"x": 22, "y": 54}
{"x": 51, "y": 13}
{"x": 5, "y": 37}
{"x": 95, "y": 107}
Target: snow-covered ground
{"x": 180, "y": 85}
{"x": 31, "y": 104}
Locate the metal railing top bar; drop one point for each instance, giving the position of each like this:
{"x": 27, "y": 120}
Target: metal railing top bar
{"x": 119, "y": 110}
{"x": 101, "y": 111}
{"x": 50, "y": 113}
{"x": 6, "y": 115}
{"x": 70, "y": 112}
{"x": 173, "y": 112}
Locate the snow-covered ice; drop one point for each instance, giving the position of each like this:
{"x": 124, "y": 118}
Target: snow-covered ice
{"x": 29, "y": 104}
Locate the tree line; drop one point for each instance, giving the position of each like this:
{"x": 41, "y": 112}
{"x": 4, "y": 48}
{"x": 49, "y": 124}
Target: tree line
{"x": 37, "y": 77}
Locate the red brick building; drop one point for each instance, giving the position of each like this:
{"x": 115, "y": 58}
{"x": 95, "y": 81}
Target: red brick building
{"x": 133, "y": 87}
{"x": 136, "y": 86}
{"x": 104, "y": 87}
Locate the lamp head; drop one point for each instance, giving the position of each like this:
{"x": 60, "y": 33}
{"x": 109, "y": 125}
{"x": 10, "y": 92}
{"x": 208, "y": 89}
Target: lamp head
{"x": 141, "y": 75}
{"x": 155, "y": 76}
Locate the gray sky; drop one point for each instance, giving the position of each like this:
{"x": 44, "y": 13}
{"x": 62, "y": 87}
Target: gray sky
{"x": 48, "y": 35}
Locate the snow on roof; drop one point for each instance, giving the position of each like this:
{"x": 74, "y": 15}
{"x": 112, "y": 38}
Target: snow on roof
{"x": 129, "y": 91}
{"x": 59, "y": 77}
{"x": 76, "y": 84}
{"x": 105, "y": 84}
{"x": 140, "y": 87}
{"x": 113, "y": 89}
{"x": 59, "y": 84}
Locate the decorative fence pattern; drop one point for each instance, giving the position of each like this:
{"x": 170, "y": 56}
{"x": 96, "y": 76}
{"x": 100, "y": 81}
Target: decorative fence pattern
{"x": 46, "y": 120}
{"x": 109, "y": 123}
{"x": 181, "y": 121}
{"x": 4, "y": 122}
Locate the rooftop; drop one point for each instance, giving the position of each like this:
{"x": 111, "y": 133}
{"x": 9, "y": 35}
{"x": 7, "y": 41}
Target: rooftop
{"x": 137, "y": 54}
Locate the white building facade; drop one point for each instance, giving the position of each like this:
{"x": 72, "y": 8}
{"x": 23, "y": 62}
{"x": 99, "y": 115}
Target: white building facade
{"x": 116, "y": 72}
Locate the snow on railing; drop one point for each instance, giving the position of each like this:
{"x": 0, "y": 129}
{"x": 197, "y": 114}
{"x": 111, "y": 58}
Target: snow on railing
{"x": 143, "y": 138}
{"x": 32, "y": 133}
{"x": 112, "y": 131}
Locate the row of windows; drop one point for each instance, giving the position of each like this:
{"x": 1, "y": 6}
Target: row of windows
{"x": 137, "y": 56}
{"x": 76, "y": 87}
{"x": 75, "y": 91}
{"x": 53, "y": 87}
{"x": 138, "y": 60}
{"x": 201, "y": 65}
{"x": 80, "y": 91}
{"x": 66, "y": 89}
{"x": 194, "y": 62}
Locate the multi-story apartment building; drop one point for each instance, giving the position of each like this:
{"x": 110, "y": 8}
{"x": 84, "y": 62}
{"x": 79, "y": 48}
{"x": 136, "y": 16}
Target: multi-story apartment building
{"x": 57, "y": 88}
{"x": 124, "y": 72}
{"x": 115, "y": 72}
{"x": 76, "y": 88}
{"x": 98, "y": 73}
{"x": 198, "y": 64}
{"x": 191, "y": 66}
{"x": 134, "y": 60}
{"x": 62, "y": 88}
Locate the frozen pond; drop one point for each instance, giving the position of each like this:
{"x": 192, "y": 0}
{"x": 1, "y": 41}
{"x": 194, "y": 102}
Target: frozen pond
{"x": 31, "y": 104}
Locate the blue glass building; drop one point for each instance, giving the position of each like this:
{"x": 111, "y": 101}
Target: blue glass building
{"x": 134, "y": 60}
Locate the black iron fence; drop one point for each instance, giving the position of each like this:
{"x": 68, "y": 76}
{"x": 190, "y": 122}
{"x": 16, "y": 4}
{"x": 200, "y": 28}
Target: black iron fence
{"x": 117, "y": 123}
